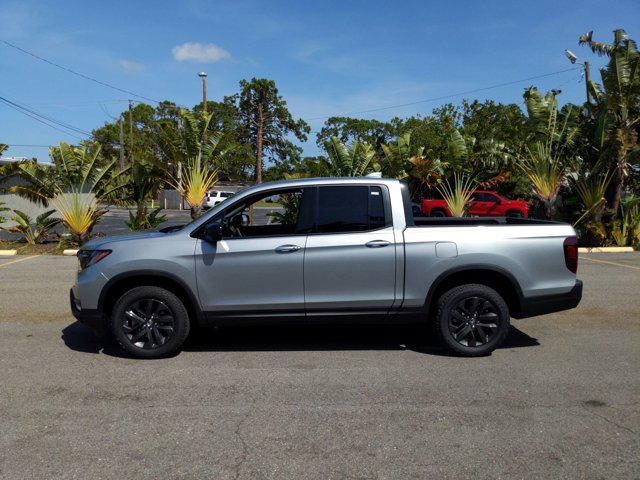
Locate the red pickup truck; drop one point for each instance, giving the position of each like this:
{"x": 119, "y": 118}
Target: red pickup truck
{"x": 483, "y": 203}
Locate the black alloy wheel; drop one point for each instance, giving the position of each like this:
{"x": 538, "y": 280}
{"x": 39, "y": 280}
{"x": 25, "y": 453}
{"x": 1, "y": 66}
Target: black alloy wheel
{"x": 471, "y": 319}
{"x": 148, "y": 323}
{"x": 473, "y": 322}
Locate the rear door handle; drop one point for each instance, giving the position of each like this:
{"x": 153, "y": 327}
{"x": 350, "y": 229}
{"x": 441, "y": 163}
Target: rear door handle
{"x": 288, "y": 248}
{"x": 377, "y": 243}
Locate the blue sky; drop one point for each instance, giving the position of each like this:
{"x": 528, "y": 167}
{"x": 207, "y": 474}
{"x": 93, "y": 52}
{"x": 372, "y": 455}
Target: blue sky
{"x": 327, "y": 57}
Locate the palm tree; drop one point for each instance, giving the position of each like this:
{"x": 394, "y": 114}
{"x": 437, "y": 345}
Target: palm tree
{"x": 76, "y": 186}
{"x": 354, "y": 160}
{"x": 617, "y": 106}
{"x": 197, "y": 149}
{"x": 546, "y": 160}
{"x": 396, "y": 160}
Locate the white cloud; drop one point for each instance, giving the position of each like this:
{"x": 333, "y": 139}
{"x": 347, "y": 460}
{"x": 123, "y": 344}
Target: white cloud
{"x": 131, "y": 66}
{"x": 198, "y": 52}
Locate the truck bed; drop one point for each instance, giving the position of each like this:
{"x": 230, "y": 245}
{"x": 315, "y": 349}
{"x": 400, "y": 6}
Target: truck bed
{"x": 470, "y": 221}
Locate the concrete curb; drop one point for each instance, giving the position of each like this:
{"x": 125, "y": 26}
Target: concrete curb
{"x": 70, "y": 253}
{"x": 8, "y": 253}
{"x": 605, "y": 249}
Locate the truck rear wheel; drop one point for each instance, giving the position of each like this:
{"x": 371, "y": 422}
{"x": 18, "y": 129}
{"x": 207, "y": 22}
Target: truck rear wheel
{"x": 438, "y": 213}
{"x": 149, "y": 322}
{"x": 472, "y": 320}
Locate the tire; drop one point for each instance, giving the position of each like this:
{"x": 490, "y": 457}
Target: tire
{"x": 463, "y": 319}
{"x": 438, "y": 213}
{"x": 157, "y": 323}
{"x": 514, "y": 213}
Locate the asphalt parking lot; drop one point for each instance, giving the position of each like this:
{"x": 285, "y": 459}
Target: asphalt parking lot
{"x": 560, "y": 399}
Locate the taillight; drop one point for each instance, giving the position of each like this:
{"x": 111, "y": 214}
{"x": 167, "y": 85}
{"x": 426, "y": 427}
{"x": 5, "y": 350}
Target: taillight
{"x": 571, "y": 253}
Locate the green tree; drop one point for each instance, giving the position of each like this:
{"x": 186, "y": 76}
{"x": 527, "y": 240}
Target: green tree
{"x": 349, "y": 130}
{"x": 142, "y": 184}
{"x": 617, "y": 107}
{"x": 354, "y": 160}
{"x": 267, "y": 123}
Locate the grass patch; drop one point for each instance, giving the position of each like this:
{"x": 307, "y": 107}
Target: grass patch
{"x": 23, "y": 248}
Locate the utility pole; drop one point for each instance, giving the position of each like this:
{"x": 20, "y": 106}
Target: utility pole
{"x": 203, "y": 76}
{"x": 587, "y": 80}
{"x": 130, "y": 132}
{"x": 120, "y": 124}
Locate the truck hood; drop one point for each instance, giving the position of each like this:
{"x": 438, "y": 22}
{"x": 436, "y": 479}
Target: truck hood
{"x": 97, "y": 242}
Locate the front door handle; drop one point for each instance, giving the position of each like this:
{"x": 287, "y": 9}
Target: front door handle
{"x": 287, "y": 248}
{"x": 377, "y": 243}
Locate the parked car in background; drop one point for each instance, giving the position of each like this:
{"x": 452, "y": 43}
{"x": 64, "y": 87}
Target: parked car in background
{"x": 340, "y": 249}
{"x": 483, "y": 203}
{"x": 214, "y": 197}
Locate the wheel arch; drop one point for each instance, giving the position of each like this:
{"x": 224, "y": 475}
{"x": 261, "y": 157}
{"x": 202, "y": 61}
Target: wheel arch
{"x": 119, "y": 284}
{"x": 494, "y": 277}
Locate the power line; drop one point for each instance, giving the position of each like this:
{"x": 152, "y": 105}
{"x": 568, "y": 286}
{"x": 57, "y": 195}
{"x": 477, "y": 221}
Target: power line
{"x": 33, "y": 114}
{"x": 28, "y": 145}
{"x": 9, "y": 104}
{"x": 77, "y": 104}
{"x": 444, "y": 97}
{"x": 81, "y": 75}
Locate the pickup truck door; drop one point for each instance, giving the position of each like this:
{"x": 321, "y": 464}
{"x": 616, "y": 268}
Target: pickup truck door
{"x": 478, "y": 205}
{"x": 258, "y": 266}
{"x": 350, "y": 256}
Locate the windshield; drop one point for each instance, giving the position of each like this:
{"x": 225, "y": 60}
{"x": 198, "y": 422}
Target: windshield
{"x": 175, "y": 228}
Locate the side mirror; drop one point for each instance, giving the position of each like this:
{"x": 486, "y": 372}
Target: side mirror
{"x": 212, "y": 232}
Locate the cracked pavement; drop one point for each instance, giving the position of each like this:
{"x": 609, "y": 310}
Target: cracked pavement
{"x": 560, "y": 399}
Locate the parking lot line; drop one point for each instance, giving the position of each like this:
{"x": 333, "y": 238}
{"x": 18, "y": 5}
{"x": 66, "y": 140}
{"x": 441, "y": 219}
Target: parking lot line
{"x": 18, "y": 260}
{"x": 610, "y": 263}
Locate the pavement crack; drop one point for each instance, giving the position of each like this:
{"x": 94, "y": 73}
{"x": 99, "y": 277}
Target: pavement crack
{"x": 238, "y": 433}
{"x": 612, "y": 422}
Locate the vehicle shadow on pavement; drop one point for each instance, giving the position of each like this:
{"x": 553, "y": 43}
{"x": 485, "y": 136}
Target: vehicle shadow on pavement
{"x": 293, "y": 338}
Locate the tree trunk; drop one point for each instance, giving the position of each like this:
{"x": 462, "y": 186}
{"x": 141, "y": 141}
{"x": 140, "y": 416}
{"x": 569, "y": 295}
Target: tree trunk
{"x": 550, "y": 209}
{"x": 259, "y": 145}
{"x": 617, "y": 182}
{"x": 195, "y": 211}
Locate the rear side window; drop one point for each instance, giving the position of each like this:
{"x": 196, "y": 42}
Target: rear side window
{"x": 350, "y": 209}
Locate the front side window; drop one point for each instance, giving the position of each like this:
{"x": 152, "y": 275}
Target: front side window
{"x": 257, "y": 217}
{"x": 349, "y": 209}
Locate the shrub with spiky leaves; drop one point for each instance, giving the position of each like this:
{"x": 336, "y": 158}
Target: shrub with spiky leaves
{"x": 3, "y": 209}
{"x": 79, "y": 212}
{"x": 457, "y": 194}
{"x": 33, "y": 233}
{"x": 145, "y": 220}
{"x": 591, "y": 188}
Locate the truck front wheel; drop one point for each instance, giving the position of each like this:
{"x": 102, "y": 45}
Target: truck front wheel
{"x": 149, "y": 322}
{"x": 472, "y": 320}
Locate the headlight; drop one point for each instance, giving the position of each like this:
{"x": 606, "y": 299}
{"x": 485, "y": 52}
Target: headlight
{"x": 89, "y": 257}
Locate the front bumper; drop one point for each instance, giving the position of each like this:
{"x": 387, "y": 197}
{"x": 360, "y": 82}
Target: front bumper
{"x": 93, "y": 319}
{"x": 530, "y": 307}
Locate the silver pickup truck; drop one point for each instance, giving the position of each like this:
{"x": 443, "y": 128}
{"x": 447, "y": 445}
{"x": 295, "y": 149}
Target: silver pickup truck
{"x": 323, "y": 249}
